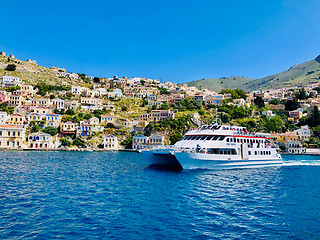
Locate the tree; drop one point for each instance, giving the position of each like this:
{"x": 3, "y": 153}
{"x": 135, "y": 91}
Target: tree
{"x": 11, "y": 67}
{"x": 50, "y": 130}
{"x": 154, "y": 107}
{"x": 35, "y": 128}
{"x": 201, "y": 112}
{"x": 79, "y": 143}
{"x": 175, "y": 138}
{"x": 127, "y": 143}
{"x": 12, "y": 89}
{"x": 64, "y": 142}
{"x": 291, "y": 105}
{"x": 80, "y": 115}
{"x": 164, "y": 106}
{"x": 110, "y": 125}
{"x": 301, "y": 95}
{"x": 70, "y": 112}
{"x": 52, "y": 96}
{"x": 124, "y": 108}
{"x": 314, "y": 119}
{"x": 258, "y": 101}
{"x": 87, "y": 116}
{"x": 235, "y": 93}
{"x": 96, "y": 79}
{"x": 275, "y": 101}
{"x": 274, "y": 124}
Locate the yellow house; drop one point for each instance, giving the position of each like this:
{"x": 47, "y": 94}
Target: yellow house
{"x": 286, "y": 137}
{"x": 17, "y": 119}
{"x": 11, "y": 136}
{"x": 105, "y": 119}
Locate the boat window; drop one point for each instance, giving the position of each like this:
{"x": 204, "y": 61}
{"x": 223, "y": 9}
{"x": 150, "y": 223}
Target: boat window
{"x": 202, "y": 138}
{"x": 233, "y": 152}
{"x": 208, "y": 137}
{"x": 214, "y": 138}
{"x": 197, "y": 138}
{"x": 249, "y": 152}
{"x": 241, "y": 140}
{"x": 255, "y": 152}
{"x": 227, "y": 139}
{"x": 221, "y": 138}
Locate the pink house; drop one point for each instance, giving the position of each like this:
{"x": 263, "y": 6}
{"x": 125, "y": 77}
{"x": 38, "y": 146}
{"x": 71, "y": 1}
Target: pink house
{"x": 3, "y": 98}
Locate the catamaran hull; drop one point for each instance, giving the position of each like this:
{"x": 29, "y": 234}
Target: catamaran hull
{"x": 202, "y": 161}
{"x": 164, "y": 157}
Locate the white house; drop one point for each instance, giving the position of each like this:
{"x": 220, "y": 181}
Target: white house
{"x": 110, "y": 142}
{"x": 303, "y": 133}
{"x": 268, "y": 113}
{"x": 294, "y": 147}
{"x": 139, "y": 142}
{"x": 40, "y": 140}
{"x": 58, "y": 103}
{"x": 155, "y": 141}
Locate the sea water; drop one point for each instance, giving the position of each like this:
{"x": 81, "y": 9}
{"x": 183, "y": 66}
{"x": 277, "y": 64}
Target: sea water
{"x": 100, "y": 195}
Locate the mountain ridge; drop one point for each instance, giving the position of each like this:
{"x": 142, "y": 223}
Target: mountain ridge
{"x": 296, "y": 76}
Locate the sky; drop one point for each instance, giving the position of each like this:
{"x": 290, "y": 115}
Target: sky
{"x": 171, "y": 40}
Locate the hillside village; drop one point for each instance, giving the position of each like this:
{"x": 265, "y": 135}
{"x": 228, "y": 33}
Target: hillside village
{"x": 63, "y": 110}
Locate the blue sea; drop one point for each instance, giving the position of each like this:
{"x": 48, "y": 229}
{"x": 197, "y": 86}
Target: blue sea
{"x": 99, "y": 195}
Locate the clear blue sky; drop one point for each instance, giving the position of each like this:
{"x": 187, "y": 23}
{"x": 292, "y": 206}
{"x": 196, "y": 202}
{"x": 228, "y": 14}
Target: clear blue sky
{"x": 176, "y": 41}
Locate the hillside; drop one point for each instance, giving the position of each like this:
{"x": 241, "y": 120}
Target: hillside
{"x": 30, "y": 72}
{"x": 221, "y": 83}
{"x": 296, "y": 76}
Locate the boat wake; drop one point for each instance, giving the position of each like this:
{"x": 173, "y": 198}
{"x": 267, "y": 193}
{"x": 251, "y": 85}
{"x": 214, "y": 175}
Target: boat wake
{"x": 301, "y": 163}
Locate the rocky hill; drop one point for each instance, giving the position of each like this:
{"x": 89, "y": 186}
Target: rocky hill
{"x": 296, "y": 76}
{"x": 31, "y": 72}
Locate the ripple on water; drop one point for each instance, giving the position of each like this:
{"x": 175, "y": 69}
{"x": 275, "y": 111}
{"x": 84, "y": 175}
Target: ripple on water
{"x": 89, "y": 195}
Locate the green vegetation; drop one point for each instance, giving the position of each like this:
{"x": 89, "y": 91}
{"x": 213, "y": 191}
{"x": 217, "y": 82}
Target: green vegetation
{"x": 274, "y": 101}
{"x": 79, "y": 143}
{"x": 235, "y": 93}
{"x": 127, "y": 143}
{"x": 70, "y": 112}
{"x": 258, "y": 101}
{"x": 291, "y": 105}
{"x": 50, "y": 130}
{"x": 12, "y": 89}
{"x": 296, "y": 76}
{"x": 87, "y": 116}
{"x": 11, "y": 67}
{"x": 313, "y": 120}
{"x": 186, "y": 104}
{"x": 43, "y": 88}
{"x": 4, "y": 107}
{"x": 64, "y": 142}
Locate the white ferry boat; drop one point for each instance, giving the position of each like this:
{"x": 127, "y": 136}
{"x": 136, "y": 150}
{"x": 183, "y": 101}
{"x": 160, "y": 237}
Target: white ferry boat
{"x": 219, "y": 147}
{"x": 224, "y": 147}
